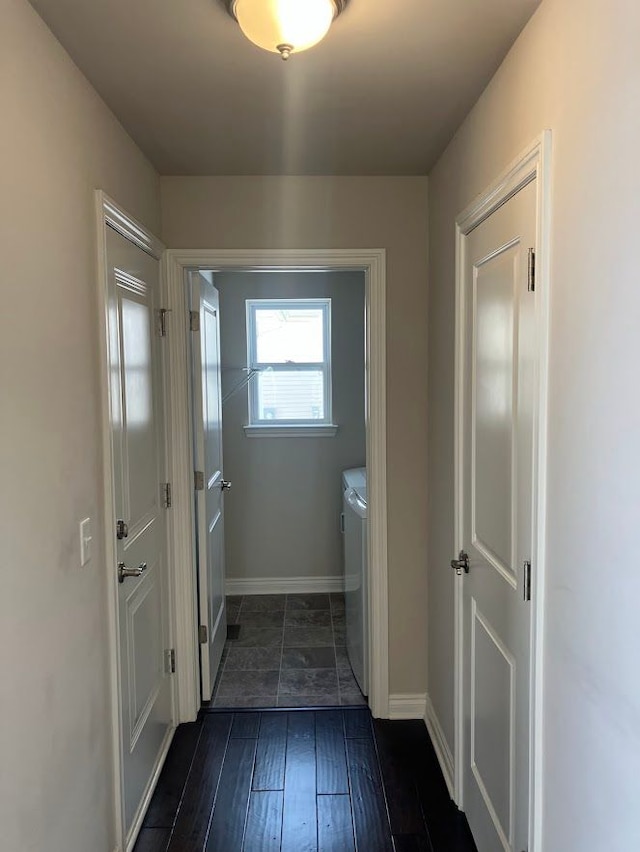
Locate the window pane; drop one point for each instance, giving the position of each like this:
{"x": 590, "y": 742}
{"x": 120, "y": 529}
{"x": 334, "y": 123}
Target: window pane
{"x": 290, "y": 395}
{"x": 289, "y": 335}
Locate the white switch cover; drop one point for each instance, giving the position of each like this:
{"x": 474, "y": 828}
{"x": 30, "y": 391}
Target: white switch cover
{"x": 85, "y": 541}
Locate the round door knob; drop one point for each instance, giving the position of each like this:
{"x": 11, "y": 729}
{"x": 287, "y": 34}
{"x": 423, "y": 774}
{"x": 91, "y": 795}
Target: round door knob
{"x": 225, "y": 485}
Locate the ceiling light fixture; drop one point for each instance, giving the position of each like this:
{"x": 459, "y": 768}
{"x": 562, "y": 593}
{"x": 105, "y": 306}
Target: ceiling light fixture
{"x": 285, "y": 26}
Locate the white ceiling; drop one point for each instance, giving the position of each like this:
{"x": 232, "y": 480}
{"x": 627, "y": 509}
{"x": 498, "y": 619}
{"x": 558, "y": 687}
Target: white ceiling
{"x": 381, "y": 95}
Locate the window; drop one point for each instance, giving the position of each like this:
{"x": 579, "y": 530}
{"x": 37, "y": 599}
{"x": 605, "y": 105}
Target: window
{"x": 289, "y": 343}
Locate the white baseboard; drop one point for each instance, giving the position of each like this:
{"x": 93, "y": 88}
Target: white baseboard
{"x": 407, "y": 705}
{"x": 440, "y": 744}
{"x": 282, "y": 585}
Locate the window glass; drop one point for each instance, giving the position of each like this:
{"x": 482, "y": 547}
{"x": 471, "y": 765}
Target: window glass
{"x": 291, "y": 395}
{"x": 289, "y": 346}
{"x": 289, "y": 335}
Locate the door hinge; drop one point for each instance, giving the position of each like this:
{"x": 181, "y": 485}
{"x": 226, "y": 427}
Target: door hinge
{"x": 203, "y": 634}
{"x": 531, "y": 270}
{"x": 170, "y": 661}
{"x": 198, "y": 477}
{"x": 194, "y": 320}
{"x": 166, "y": 495}
{"x": 162, "y": 321}
{"x": 527, "y": 582}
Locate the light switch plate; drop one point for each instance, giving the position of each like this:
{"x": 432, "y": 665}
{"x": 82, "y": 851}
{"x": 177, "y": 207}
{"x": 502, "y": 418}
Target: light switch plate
{"x": 86, "y": 538}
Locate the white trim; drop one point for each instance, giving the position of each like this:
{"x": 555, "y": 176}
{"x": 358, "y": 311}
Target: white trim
{"x": 109, "y": 214}
{"x": 181, "y": 518}
{"x": 129, "y": 227}
{"x": 283, "y": 585}
{"x": 533, "y": 164}
{"x": 407, "y": 705}
{"x": 440, "y": 745}
{"x": 109, "y": 514}
{"x": 373, "y": 263}
{"x": 326, "y": 430}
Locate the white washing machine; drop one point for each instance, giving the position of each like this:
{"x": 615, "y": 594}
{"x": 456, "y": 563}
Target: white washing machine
{"x": 356, "y": 591}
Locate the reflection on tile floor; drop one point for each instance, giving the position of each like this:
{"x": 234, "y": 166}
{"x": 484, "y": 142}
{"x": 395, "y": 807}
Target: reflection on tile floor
{"x": 290, "y": 653}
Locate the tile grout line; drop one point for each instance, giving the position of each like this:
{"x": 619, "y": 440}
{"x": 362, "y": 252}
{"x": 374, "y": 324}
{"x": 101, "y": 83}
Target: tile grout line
{"x": 335, "y": 653}
{"x": 284, "y": 621}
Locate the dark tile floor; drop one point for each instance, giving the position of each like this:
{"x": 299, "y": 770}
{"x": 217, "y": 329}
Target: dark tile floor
{"x": 302, "y": 781}
{"x": 290, "y": 652}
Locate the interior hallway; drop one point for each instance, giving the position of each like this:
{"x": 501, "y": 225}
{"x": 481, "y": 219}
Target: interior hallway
{"x": 575, "y": 69}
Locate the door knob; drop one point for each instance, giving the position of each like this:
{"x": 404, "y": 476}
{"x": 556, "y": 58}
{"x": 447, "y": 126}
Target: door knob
{"x": 124, "y": 572}
{"x": 461, "y": 563}
{"x": 225, "y": 485}
{"x": 122, "y": 530}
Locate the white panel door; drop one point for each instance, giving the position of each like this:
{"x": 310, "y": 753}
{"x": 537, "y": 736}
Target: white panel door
{"x": 497, "y": 522}
{"x": 139, "y": 524}
{"x": 207, "y": 408}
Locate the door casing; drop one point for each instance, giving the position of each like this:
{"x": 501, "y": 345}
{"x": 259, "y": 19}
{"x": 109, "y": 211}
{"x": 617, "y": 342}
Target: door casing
{"x": 533, "y": 164}
{"x": 176, "y": 263}
{"x": 110, "y": 214}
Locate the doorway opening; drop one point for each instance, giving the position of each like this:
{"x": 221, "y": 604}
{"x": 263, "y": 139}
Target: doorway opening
{"x": 292, "y": 403}
{"x": 242, "y": 381}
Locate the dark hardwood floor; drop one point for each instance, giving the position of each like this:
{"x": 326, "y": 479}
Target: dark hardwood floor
{"x": 326, "y": 780}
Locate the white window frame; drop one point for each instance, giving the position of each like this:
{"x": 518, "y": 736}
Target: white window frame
{"x": 257, "y": 426}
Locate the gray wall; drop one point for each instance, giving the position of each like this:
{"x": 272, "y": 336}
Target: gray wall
{"x": 282, "y": 513}
{"x": 575, "y": 69}
{"x": 58, "y": 143}
{"x": 348, "y": 212}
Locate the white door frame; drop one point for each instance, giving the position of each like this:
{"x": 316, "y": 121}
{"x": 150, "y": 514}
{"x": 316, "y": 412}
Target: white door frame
{"x": 110, "y": 214}
{"x": 373, "y": 263}
{"x": 532, "y": 164}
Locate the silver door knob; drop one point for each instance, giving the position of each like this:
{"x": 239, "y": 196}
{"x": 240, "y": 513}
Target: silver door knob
{"x": 461, "y": 563}
{"x": 122, "y": 530}
{"x": 124, "y": 572}
{"x": 225, "y": 485}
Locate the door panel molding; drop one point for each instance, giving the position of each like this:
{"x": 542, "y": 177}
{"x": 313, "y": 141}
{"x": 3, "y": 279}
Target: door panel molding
{"x": 139, "y": 711}
{"x": 110, "y": 215}
{"x": 373, "y": 263}
{"x": 496, "y": 563}
{"x": 533, "y": 164}
{"x": 478, "y": 620}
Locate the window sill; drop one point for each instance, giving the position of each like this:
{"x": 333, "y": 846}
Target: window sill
{"x": 327, "y": 430}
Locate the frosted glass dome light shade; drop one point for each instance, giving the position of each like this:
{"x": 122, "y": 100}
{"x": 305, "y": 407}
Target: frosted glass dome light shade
{"x": 285, "y": 26}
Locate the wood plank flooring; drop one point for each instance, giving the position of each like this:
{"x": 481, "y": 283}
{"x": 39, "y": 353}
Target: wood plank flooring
{"x": 318, "y": 780}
